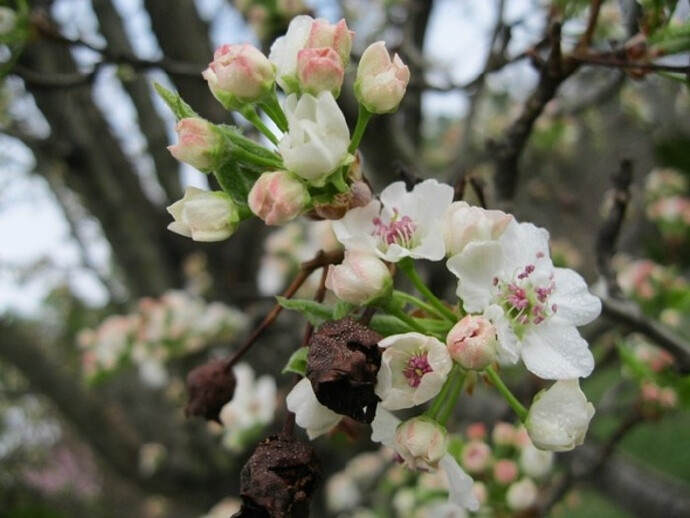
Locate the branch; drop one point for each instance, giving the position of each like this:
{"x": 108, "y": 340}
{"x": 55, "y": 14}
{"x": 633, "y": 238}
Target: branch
{"x": 629, "y": 314}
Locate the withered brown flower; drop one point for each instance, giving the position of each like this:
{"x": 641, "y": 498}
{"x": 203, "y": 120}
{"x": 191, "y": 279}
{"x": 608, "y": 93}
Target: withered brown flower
{"x": 343, "y": 361}
{"x": 279, "y": 479}
{"x": 210, "y": 386}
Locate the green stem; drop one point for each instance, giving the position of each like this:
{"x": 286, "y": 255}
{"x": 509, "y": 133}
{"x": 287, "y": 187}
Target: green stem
{"x": 451, "y": 398}
{"x": 407, "y": 266}
{"x": 435, "y": 407}
{"x": 362, "y": 120}
{"x": 411, "y": 322}
{"x": 517, "y": 407}
{"x": 250, "y": 114}
{"x": 406, "y": 297}
{"x": 272, "y": 108}
{"x": 246, "y": 156}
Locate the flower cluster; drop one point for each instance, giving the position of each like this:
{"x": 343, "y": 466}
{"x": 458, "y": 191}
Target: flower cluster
{"x": 667, "y": 193}
{"x": 160, "y": 329}
{"x": 312, "y": 168}
{"x": 508, "y": 471}
{"x": 378, "y": 350}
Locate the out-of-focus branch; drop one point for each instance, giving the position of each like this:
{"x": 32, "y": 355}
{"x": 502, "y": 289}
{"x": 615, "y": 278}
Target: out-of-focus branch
{"x": 628, "y": 314}
{"x": 607, "y": 236}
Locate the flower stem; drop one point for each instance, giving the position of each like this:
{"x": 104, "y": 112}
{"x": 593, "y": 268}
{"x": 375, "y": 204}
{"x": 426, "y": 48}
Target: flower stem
{"x": 411, "y": 322}
{"x": 451, "y": 398}
{"x": 517, "y": 407}
{"x": 406, "y": 297}
{"x": 407, "y": 266}
{"x": 248, "y": 156}
{"x": 272, "y": 108}
{"x": 251, "y": 115}
{"x": 362, "y": 120}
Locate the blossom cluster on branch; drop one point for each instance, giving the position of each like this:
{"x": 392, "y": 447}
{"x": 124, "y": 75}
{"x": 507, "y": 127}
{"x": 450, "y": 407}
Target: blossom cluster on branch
{"x": 378, "y": 350}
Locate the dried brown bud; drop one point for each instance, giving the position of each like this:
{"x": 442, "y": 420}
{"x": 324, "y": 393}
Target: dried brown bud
{"x": 343, "y": 361}
{"x": 279, "y": 479}
{"x": 210, "y": 386}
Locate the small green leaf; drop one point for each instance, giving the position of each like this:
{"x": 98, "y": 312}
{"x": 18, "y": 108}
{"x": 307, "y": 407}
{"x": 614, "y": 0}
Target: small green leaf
{"x": 180, "y": 109}
{"x": 297, "y": 362}
{"x": 315, "y": 312}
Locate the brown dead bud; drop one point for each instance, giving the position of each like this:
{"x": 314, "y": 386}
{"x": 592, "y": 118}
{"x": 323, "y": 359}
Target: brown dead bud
{"x": 279, "y": 479}
{"x": 210, "y": 386}
{"x": 343, "y": 361}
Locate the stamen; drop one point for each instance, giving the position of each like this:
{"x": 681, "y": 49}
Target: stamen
{"x": 417, "y": 367}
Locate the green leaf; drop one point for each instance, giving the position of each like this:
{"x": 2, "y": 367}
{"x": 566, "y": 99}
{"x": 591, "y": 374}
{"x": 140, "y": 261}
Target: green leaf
{"x": 236, "y": 180}
{"x": 315, "y": 312}
{"x": 180, "y": 109}
{"x": 297, "y": 362}
{"x": 342, "y": 309}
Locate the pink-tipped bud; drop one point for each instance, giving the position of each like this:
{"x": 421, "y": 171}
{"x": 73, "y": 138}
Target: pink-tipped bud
{"x": 361, "y": 278}
{"x": 472, "y": 343}
{"x": 505, "y": 471}
{"x": 320, "y": 70}
{"x": 381, "y": 82}
{"x": 503, "y": 434}
{"x": 200, "y": 144}
{"x": 239, "y": 74}
{"x": 336, "y": 36}
{"x": 278, "y": 197}
{"x": 476, "y": 457}
{"x": 421, "y": 442}
{"x": 476, "y": 431}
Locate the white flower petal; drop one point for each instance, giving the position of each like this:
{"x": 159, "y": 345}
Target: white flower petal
{"x": 459, "y": 484}
{"x": 509, "y": 346}
{"x": 383, "y": 427}
{"x": 573, "y": 301}
{"x": 311, "y": 415}
{"x": 554, "y": 349}
{"x": 475, "y": 267}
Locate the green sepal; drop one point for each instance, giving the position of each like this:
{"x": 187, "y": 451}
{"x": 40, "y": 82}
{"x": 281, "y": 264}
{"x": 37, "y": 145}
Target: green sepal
{"x": 180, "y": 109}
{"x": 297, "y": 362}
{"x": 237, "y": 181}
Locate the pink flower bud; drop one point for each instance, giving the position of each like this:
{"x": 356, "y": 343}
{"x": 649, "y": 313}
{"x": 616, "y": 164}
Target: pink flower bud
{"x": 472, "y": 343}
{"x": 239, "y": 74}
{"x": 380, "y": 83}
{"x": 476, "y": 456}
{"x": 200, "y": 144}
{"x": 360, "y": 278}
{"x": 505, "y": 471}
{"x": 320, "y": 69}
{"x": 464, "y": 224}
{"x": 278, "y": 197}
{"x": 421, "y": 442}
{"x": 476, "y": 431}
{"x": 336, "y": 36}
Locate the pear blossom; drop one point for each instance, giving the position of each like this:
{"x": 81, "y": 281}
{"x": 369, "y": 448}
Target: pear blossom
{"x": 559, "y": 417}
{"x": 381, "y": 83}
{"x": 317, "y": 139}
{"x": 200, "y": 144}
{"x": 360, "y": 278}
{"x": 239, "y": 74}
{"x": 277, "y": 197}
{"x": 476, "y": 456}
{"x": 311, "y": 415}
{"x": 465, "y": 224}
{"x": 306, "y": 33}
{"x": 460, "y": 485}
{"x": 414, "y": 367}
{"x": 402, "y": 224}
{"x": 535, "y": 462}
{"x": 522, "y": 494}
{"x": 534, "y": 305}
{"x": 204, "y": 215}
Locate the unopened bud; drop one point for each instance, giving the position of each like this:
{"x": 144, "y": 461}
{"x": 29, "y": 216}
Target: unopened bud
{"x": 278, "y": 197}
{"x": 200, "y": 144}
{"x": 204, "y": 215}
{"x": 381, "y": 83}
{"x": 421, "y": 442}
{"x": 319, "y": 70}
{"x": 472, "y": 343}
{"x": 360, "y": 279}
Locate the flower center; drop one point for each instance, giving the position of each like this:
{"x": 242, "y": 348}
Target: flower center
{"x": 526, "y": 299}
{"x": 399, "y": 230}
{"x": 417, "y": 367}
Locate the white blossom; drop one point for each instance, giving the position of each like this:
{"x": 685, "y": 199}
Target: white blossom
{"x": 534, "y": 305}
{"x": 402, "y": 224}
{"x": 311, "y": 415}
